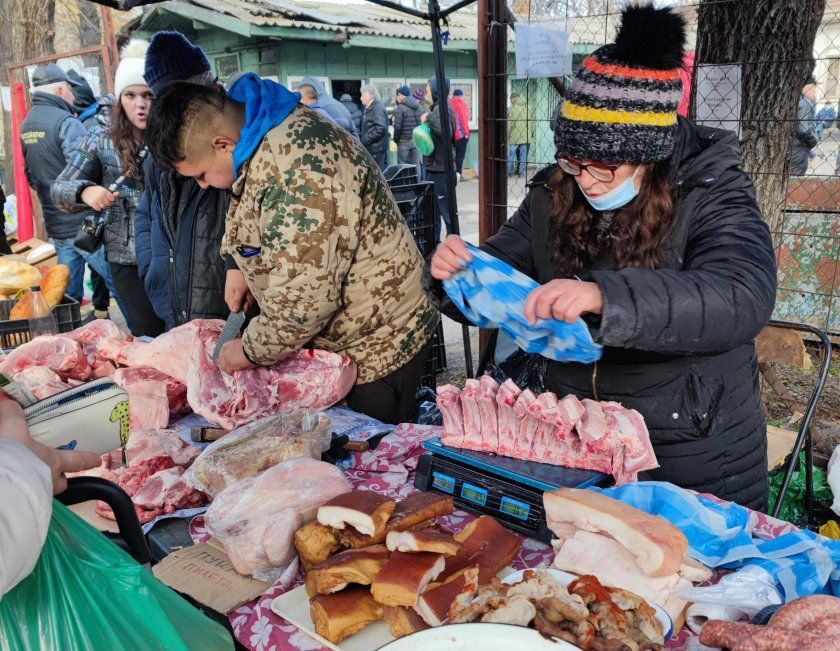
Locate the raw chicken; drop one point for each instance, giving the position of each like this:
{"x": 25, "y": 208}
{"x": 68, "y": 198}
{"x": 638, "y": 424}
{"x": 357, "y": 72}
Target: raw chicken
{"x": 148, "y": 444}
{"x": 255, "y": 519}
{"x": 61, "y": 354}
{"x": 155, "y": 397}
{"x": 41, "y": 381}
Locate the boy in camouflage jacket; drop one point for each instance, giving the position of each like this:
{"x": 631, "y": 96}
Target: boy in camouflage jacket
{"x": 314, "y": 228}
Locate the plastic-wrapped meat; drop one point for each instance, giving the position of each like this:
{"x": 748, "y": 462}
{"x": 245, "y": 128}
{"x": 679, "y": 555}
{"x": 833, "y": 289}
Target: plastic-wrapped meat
{"x": 61, "y": 354}
{"x": 148, "y": 444}
{"x": 41, "y": 381}
{"x": 154, "y": 396}
{"x": 305, "y": 379}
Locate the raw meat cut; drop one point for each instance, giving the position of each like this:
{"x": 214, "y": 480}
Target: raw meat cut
{"x": 508, "y": 428}
{"x": 472, "y": 416}
{"x": 305, "y": 379}
{"x": 657, "y": 545}
{"x": 256, "y": 518}
{"x": 148, "y": 444}
{"x": 61, "y": 354}
{"x": 602, "y": 436}
{"x": 92, "y": 336}
{"x": 169, "y": 353}
{"x": 449, "y": 403}
{"x": 155, "y": 397}
{"x": 41, "y": 381}
{"x": 167, "y": 490}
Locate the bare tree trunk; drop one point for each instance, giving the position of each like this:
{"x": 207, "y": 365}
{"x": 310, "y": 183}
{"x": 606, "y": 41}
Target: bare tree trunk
{"x": 773, "y": 40}
{"x": 28, "y": 32}
{"x": 90, "y": 31}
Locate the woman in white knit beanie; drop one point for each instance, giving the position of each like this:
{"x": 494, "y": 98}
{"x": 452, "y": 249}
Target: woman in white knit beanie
{"x": 112, "y": 154}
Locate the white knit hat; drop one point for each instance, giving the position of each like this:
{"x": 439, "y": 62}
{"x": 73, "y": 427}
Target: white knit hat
{"x": 132, "y": 65}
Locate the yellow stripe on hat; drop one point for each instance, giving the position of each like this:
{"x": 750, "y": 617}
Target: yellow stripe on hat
{"x": 580, "y": 113}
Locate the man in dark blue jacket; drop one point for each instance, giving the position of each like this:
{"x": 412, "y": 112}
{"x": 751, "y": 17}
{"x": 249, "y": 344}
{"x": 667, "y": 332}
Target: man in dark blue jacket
{"x": 178, "y": 225}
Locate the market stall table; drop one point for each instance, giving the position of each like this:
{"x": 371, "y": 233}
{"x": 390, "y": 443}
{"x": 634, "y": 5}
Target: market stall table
{"x": 390, "y": 470}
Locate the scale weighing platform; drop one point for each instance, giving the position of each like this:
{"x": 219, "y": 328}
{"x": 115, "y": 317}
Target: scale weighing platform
{"x": 510, "y": 490}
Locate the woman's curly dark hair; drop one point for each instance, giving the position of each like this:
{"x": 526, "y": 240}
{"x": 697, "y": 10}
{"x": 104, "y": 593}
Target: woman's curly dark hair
{"x": 637, "y": 233}
{"x": 127, "y": 141}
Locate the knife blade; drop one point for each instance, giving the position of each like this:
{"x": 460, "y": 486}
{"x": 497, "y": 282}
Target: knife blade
{"x": 232, "y": 326}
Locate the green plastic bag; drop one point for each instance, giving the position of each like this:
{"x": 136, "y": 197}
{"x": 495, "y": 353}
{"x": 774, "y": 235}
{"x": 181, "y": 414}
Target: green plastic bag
{"x": 86, "y": 593}
{"x": 793, "y": 507}
{"x": 422, "y": 137}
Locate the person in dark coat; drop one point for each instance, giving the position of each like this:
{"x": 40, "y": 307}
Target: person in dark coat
{"x": 407, "y": 116}
{"x": 652, "y": 233}
{"x": 353, "y": 110}
{"x": 179, "y": 224}
{"x": 336, "y": 109}
{"x": 434, "y": 165}
{"x": 804, "y": 136}
{"x": 374, "y": 132}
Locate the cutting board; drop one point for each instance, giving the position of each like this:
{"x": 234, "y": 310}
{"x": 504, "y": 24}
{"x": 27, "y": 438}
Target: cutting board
{"x": 293, "y": 606}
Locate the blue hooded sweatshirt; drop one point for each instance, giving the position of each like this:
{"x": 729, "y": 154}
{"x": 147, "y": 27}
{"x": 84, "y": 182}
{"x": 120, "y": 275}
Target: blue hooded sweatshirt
{"x": 267, "y": 104}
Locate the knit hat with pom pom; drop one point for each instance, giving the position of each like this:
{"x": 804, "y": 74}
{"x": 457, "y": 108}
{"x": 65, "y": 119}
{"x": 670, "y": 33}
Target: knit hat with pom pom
{"x": 132, "y": 64}
{"x": 622, "y": 105}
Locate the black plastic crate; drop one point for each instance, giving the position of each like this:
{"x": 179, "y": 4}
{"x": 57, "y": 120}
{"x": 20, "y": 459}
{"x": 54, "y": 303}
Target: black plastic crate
{"x": 417, "y": 206}
{"x": 67, "y": 316}
{"x": 437, "y": 360}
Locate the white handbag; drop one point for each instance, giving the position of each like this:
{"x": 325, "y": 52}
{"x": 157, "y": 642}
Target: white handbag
{"x": 93, "y": 417}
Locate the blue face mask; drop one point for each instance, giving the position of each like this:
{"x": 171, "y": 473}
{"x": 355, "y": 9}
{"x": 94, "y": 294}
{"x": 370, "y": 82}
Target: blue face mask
{"x": 617, "y": 197}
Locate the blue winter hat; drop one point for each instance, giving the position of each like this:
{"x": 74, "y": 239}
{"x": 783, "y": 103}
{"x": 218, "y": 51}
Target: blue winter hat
{"x": 171, "y": 57}
{"x": 405, "y": 91}
{"x": 458, "y": 93}
{"x": 434, "y": 87}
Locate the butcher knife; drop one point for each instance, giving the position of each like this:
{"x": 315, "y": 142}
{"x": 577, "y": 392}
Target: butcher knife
{"x": 232, "y": 327}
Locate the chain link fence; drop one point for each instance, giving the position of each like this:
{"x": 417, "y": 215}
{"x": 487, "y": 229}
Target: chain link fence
{"x": 808, "y": 240}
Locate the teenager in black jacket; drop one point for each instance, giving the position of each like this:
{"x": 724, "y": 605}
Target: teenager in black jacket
{"x": 649, "y": 229}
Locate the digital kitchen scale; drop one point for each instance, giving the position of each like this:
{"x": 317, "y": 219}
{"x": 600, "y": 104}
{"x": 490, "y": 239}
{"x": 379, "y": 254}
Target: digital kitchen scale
{"x": 510, "y": 490}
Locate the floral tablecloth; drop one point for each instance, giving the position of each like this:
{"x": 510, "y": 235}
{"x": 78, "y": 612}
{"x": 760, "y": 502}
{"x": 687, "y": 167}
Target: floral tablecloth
{"x": 390, "y": 470}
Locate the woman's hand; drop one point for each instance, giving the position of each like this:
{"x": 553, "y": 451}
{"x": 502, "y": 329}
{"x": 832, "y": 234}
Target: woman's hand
{"x": 449, "y": 257}
{"x": 564, "y": 300}
{"x": 98, "y": 197}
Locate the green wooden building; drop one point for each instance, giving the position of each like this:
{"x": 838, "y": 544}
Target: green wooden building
{"x": 344, "y": 45}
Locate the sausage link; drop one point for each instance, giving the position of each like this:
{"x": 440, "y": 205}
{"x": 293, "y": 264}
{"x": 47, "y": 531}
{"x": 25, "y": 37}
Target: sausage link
{"x": 800, "y": 613}
{"x": 739, "y": 636}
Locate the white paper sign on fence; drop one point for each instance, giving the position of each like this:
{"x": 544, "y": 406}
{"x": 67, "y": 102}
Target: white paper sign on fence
{"x": 543, "y": 49}
{"x": 718, "y": 96}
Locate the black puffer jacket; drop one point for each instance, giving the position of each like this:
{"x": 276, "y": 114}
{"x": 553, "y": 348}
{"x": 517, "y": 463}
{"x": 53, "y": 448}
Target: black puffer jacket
{"x": 407, "y": 116}
{"x": 96, "y": 163}
{"x": 679, "y": 339}
{"x": 374, "y": 130}
{"x": 435, "y": 162}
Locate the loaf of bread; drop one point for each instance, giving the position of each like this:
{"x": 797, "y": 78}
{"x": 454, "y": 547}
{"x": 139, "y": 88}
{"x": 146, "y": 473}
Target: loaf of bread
{"x": 15, "y": 276}
{"x": 53, "y": 286}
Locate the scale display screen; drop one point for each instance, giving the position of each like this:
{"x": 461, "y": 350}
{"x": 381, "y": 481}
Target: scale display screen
{"x": 474, "y": 494}
{"x": 443, "y": 482}
{"x": 515, "y": 508}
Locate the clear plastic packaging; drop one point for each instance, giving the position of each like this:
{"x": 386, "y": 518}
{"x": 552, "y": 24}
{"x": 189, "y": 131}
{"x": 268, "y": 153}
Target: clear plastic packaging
{"x": 253, "y": 448}
{"x": 256, "y": 518}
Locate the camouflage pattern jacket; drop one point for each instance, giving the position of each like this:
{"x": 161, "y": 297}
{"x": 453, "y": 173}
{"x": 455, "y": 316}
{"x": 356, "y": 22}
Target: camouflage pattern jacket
{"x": 337, "y": 267}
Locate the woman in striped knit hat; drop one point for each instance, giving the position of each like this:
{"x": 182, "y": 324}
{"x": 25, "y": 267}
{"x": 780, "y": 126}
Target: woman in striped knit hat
{"x": 648, "y": 228}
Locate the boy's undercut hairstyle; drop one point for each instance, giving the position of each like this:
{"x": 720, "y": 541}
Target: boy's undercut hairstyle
{"x": 183, "y": 120}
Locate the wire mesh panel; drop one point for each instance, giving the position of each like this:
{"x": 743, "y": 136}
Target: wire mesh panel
{"x": 804, "y": 181}
{"x": 417, "y": 205}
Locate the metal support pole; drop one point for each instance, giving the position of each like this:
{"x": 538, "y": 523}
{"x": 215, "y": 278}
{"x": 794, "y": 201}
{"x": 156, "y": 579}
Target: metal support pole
{"x": 448, "y": 159}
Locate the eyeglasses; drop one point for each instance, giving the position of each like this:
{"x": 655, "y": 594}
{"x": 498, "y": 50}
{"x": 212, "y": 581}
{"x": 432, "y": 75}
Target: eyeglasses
{"x": 601, "y": 171}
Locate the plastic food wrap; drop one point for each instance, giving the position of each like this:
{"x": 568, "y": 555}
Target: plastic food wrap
{"x": 256, "y": 518}
{"x": 253, "y": 448}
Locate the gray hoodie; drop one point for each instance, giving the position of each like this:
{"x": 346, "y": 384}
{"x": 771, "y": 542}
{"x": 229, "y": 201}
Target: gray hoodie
{"x": 332, "y": 106}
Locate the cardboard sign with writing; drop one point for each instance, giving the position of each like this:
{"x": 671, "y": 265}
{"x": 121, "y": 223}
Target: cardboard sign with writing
{"x": 205, "y": 573}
